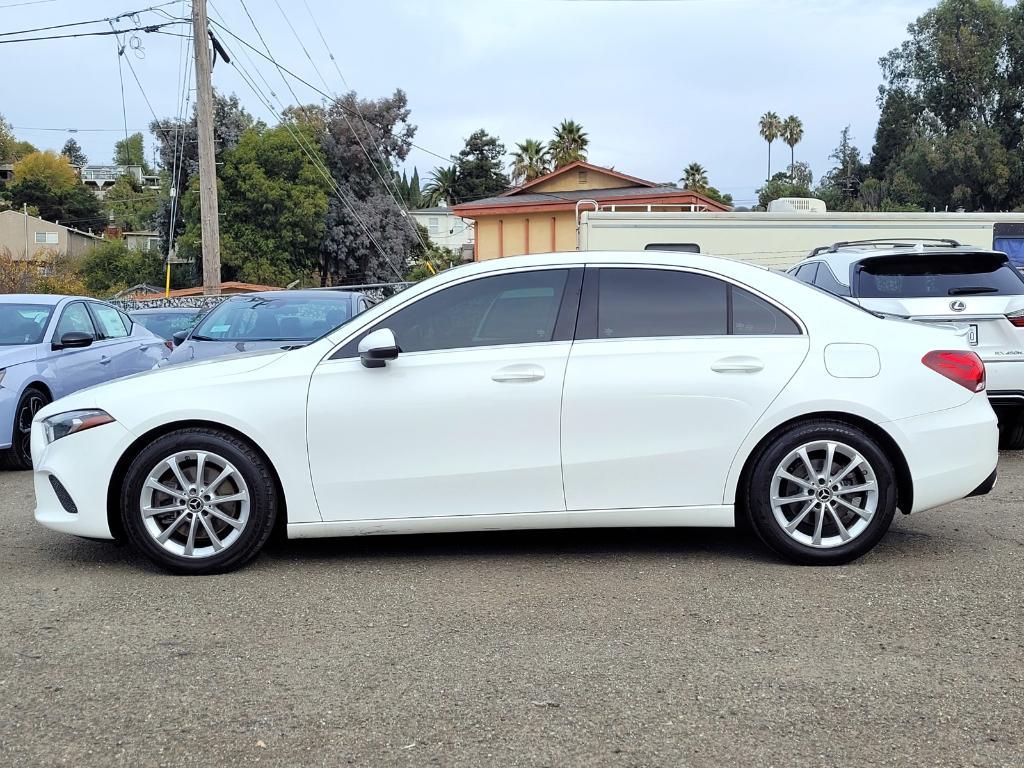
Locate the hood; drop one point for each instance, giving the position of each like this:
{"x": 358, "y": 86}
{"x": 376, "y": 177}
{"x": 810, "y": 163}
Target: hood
{"x": 17, "y": 354}
{"x": 192, "y": 351}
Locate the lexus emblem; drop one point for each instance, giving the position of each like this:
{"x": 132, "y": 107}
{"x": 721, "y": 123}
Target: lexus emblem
{"x": 957, "y": 306}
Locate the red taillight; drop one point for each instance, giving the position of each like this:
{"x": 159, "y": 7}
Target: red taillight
{"x": 1016, "y": 320}
{"x": 965, "y": 368}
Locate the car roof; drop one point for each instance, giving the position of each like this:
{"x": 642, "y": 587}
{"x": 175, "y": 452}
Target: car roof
{"x": 845, "y": 256}
{"x": 308, "y": 293}
{"x": 164, "y": 310}
{"x": 48, "y": 299}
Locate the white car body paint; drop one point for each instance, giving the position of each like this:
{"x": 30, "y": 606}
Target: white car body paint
{"x": 623, "y": 432}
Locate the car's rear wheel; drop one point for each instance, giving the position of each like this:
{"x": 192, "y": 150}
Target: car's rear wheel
{"x": 821, "y": 493}
{"x": 19, "y": 455}
{"x": 199, "y": 501}
{"x": 1011, "y": 432}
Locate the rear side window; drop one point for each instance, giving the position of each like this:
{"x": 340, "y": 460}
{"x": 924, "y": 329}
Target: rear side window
{"x": 638, "y": 303}
{"x": 806, "y": 272}
{"x": 826, "y": 280}
{"x": 938, "y": 275}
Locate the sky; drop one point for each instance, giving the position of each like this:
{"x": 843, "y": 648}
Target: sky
{"x": 656, "y": 84}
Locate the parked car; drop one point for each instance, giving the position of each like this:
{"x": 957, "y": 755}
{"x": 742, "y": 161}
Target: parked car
{"x": 548, "y": 391}
{"x": 975, "y": 291}
{"x": 266, "y": 320}
{"x": 167, "y": 321}
{"x": 51, "y": 346}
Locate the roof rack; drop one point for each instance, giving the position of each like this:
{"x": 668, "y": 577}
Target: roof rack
{"x": 909, "y": 242}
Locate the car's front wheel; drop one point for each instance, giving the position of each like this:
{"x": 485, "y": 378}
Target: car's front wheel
{"x": 199, "y": 501}
{"x": 19, "y": 455}
{"x": 821, "y": 493}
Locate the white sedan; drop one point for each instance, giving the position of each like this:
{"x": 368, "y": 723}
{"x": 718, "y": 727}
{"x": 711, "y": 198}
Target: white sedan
{"x": 548, "y": 391}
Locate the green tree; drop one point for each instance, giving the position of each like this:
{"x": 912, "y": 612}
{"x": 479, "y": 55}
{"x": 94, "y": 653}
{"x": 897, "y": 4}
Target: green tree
{"x": 47, "y": 167}
{"x": 46, "y": 182}
{"x": 441, "y": 186}
{"x": 695, "y": 177}
{"x": 111, "y": 266}
{"x": 530, "y": 161}
{"x": 273, "y": 203}
{"x": 770, "y": 126}
{"x": 897, "y": 128}
{"x": 6, "y": 140}
{"x": 795, "y": 183}
{"x": 792, "y": 132}
{"x": 132, "y": 151}
{"x": 839, "y": 187}
{"x": 73, "y": 152}
{"x": 569, "y": 144}
{"x": 478, "y": 165}
{"x": 132, "y": 207}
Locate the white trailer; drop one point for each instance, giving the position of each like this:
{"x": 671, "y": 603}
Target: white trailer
{"x": 780, "y": 239}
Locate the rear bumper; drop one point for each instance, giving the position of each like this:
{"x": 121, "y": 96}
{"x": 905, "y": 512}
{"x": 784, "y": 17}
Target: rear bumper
{"x": 950, "y": 453}
{"x": 985, "y": 487}
{"x": 1004, "y": 376}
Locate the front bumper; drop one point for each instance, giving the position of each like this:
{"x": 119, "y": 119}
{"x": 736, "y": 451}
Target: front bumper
{"x": 83, "y": 464}
{"x": 950, "y": 453}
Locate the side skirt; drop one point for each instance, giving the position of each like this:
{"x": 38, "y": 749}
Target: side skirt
{"x": 657, "y": 517}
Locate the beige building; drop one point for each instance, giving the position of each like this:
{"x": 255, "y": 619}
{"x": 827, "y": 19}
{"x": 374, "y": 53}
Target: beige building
{"x": 25, "y": 237}
{"x": 540, "y": 216}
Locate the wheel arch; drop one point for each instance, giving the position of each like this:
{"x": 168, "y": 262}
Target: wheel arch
{"x": 39, "y": 384}
{"x": 121, "y": 469}
{"x": 904, "y": 480}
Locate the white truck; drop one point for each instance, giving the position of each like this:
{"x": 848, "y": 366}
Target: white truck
{"x": 779, "y": 239}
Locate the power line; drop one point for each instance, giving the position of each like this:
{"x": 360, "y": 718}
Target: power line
{"x": 90, "y": 21}
{"x": 28, "y": 2}
{"x": 148, "y": 28}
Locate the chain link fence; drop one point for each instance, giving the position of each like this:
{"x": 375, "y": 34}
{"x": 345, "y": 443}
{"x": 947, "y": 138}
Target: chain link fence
{"x": 376, "y": 291}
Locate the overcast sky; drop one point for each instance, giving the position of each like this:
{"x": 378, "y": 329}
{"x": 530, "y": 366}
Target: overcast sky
{"x": 657, "y": 84}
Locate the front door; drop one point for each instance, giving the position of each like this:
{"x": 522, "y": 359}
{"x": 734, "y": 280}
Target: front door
{"x": 670, "y": 371}
{"x": 75, "y": 368}
{"x": 465, "y": 421}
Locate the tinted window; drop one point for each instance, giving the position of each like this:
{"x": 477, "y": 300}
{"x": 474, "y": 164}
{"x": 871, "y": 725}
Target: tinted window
{"x": 753, "y": 316}
{"x": 74, "y": 319}
{"x": 23, "y": 323}
{"x": 807, "y": 271}
{"x": 519, "y": 308}
{"x": 826, "y": 280}
{"x": 166, "y": 325}
{"x": 273, "y": 318}
{"x": 678, "y": 247}
{"x": 109, "y": 321}
{"x": 938, "y": 275}
{"x": 654, "y": 302}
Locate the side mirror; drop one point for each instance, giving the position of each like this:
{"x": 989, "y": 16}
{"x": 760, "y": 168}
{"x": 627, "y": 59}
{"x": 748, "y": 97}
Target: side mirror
{"x": 378, "y": 347}
{"x": 179, "y": 337}
{"x": 74, "y": 340}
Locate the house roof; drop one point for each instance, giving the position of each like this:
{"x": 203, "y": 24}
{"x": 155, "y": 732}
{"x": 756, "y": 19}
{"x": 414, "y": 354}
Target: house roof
{"x": 21, "y": 215}
{"x": 567, "y": 200}
{"x": 436, "y": 209}
{"x": 578, "y": 165}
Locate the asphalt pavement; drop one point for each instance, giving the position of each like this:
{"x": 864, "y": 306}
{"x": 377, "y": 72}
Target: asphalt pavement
{"x": 594, "y": 648}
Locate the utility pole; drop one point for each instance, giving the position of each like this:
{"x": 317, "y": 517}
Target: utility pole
{"x": 208, "y": 214}
{"x": 24, "y": 210}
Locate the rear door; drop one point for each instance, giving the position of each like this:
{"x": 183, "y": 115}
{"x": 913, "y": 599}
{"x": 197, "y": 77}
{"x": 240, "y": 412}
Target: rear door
{"x": 669, "y": 372}
{"x": 977, "y": 294}
{"x": 121, "y": 355}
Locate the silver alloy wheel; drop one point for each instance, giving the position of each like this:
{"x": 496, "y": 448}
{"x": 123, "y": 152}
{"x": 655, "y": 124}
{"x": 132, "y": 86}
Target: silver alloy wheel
{"x": 824, "y": 494}
{"x": 194, "y": 504}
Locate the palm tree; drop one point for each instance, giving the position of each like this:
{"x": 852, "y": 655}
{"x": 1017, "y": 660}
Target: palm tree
{"x": 569, "y": 145}
{"x": 771, "y": 126}
{"x": 695, "y": 177}
{"x": 792, "y": 132}
{"x": 441, "y": 186}
{"x": 530, "y": 161}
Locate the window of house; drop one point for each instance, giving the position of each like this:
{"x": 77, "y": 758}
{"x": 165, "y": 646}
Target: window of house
{"x": 433, "y": 225}
{"x": 47, "y": 238}
{"x": 582, "y": 177}
{"x": 519, "y": 308}
{"x": 638, "y": 303}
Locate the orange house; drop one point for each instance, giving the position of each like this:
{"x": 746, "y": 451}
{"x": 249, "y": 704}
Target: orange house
{"x": 540, "y": 216}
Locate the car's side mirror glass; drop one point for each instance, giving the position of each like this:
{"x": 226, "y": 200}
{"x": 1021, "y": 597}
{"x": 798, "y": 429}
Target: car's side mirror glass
{"x": 74, "y": 340}
{"x": 179, "y": 337}
{"x": 378, "y": 347}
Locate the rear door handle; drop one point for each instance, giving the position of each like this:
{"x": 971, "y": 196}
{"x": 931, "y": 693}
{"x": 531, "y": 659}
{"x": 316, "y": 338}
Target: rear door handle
{"x": 737, "y": 364}
{"x": 521, "y": 372}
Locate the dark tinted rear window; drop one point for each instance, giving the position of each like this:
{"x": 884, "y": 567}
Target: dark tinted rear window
{"x": 938, "y": 275}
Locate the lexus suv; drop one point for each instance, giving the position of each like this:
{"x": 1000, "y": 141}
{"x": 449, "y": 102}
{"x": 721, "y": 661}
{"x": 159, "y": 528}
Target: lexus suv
{"x": 975, "y": 291}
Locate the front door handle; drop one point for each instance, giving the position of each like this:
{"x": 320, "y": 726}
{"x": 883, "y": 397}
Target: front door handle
{"x": 738, "y": 364}
{"x": 104, "y": 360}
{"x": 522, "y": 372}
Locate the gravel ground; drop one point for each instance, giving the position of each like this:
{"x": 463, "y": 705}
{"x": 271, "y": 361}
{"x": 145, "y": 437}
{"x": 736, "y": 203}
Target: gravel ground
{"x": 600, "y": 648}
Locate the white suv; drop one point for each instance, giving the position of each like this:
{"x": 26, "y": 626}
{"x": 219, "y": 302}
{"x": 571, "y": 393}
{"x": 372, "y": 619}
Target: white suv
{"x": 975, "y": 291}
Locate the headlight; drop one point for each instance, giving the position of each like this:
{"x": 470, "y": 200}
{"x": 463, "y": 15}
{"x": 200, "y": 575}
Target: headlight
{"x": 64, "y": 424}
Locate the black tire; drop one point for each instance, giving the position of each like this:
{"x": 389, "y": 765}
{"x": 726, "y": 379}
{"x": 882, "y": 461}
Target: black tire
{"x": 1011, "y": 433}
{"x": 258, "y": 479}
{"x": 758, "y": 494}
{"x": 19, "y": 455}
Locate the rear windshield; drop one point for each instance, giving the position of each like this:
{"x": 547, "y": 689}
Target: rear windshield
{"x": 974, "y": 274}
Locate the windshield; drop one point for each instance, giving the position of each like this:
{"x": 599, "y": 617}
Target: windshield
{"x": 165, "y": 325}
{"x": 23, "y": 323}
{"x": 897, "y": 277}
{"x": 269, "y": 318}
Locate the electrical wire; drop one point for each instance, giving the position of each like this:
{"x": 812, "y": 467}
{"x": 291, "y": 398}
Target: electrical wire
{"x": 92, "y": 21}
{"x": 148, "y": 28}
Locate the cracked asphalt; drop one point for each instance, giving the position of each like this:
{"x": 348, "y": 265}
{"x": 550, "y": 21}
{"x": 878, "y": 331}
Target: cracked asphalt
{"x": 595, "y": 648}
